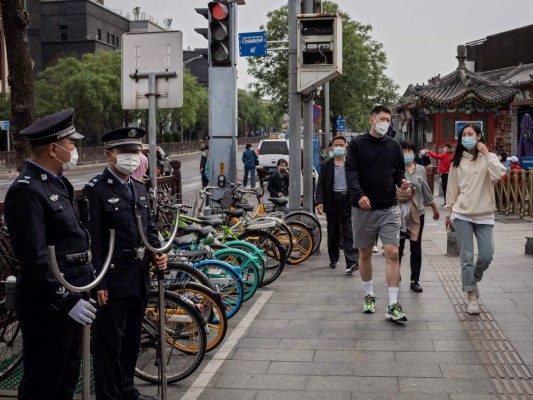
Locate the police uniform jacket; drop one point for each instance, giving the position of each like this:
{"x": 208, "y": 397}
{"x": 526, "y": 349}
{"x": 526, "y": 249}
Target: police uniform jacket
{"x": 40, "y": 210}
{"x": 113, "y": 207}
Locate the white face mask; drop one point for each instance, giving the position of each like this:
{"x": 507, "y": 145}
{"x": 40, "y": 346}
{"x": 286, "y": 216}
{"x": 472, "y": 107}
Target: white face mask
{"x": 127, "y": 162}
{"x": 67, "y": 166}
{"x": 381, "y": 128}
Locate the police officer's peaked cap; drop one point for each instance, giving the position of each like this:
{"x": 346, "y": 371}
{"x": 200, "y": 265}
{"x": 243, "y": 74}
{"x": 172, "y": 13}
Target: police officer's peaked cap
{"x": 124, "y": 138}
{"x": 52, "y": 128}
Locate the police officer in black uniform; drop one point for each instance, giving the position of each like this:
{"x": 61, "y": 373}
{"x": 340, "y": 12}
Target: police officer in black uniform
{"x": 40, "y": 210}
{"x": 115, "y": 199}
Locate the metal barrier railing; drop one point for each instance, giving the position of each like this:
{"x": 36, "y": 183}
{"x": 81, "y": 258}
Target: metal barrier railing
{"x": 514, "y": 193}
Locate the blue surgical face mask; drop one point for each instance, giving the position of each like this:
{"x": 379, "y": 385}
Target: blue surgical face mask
{"x": 408, "y": 158}
{"x": 339, "y": 151}
{"x": 203, "y": 154}
{"x": 469, "y": 143}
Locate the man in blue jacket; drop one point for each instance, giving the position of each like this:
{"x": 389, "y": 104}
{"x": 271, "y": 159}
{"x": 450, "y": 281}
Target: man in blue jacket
{"x": 250, "y": 160}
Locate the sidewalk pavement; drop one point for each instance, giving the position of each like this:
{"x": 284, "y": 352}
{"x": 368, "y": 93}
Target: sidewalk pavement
{"x": 309, "y": 339}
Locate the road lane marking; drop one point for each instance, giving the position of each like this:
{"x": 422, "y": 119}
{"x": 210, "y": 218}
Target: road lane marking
{"x": 224, "y": 351}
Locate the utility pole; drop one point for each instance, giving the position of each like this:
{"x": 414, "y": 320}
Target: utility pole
{"x": 307, "y": 101}
{"x": 326, "y": 117}
{"x": 295, "y": 104}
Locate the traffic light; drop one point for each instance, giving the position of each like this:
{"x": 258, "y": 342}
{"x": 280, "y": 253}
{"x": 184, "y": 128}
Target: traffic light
{"x": 220, "y": 33}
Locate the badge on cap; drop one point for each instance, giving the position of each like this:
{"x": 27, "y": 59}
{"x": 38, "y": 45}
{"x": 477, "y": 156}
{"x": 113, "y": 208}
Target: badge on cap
{"x": 110, "y": 181}
{"x": 54, "y": 197}
{"x": 132, "y": 133}
{"x": 44, "y": 177}
{"x": 113, "y": 200}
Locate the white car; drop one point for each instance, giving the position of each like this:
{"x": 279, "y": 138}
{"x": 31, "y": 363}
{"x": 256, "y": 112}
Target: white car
{"x": 269, "y": 152}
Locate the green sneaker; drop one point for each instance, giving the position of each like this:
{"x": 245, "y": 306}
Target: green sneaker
{"x": 369, "y": 306}
{"x": 395, "y": 313}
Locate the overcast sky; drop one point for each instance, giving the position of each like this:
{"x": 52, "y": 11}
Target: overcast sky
{"x": 420, "y": 37}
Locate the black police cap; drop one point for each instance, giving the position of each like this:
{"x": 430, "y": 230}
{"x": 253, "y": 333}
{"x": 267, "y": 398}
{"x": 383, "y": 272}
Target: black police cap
{"x": 52, "y": 128}
{"x": 124, "y": 138}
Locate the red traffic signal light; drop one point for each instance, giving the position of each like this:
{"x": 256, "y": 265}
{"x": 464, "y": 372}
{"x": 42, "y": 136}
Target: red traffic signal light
{"x": 219, "y": 33}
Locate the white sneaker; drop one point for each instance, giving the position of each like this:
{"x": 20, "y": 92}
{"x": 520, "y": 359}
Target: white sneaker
{"x": 473, "y": 306}
{"x": 375, "y": 249}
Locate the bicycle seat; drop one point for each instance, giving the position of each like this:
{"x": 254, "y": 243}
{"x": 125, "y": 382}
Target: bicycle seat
{"x": 200, "y": 231}
{"x": 219, "y": 200}
{"x": 238, "y": 212}
{"x": 185, "y": 240}
{"x": 261, "y": 223}
{"x": 211, "y": 222}
{"x": 208, "y": 217}
{"x": 245, "y": 206}
{"x": 193, "y": 254}
{"x": 278, "y": 201}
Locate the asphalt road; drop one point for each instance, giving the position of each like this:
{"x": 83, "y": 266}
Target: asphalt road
{"x": 190, "y": 163}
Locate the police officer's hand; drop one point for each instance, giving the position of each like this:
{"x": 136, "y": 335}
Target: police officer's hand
{"x": 364, "y": 203}
{"x": 160, "y": 261}
{"x": 102, "y": 297}
{"x": 83, "y": 312}
{"x": 319, "y": 209}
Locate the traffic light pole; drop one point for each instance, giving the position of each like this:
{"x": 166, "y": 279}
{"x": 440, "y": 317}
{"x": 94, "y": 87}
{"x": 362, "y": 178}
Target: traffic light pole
{"x": 307, "y": 100}
{"x": 295, "y": 104}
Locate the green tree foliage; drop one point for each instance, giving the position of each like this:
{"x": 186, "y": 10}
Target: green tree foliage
{"x": 362, "y": 85}
{"x": 5, "y": 108}
{"x": 255, "y": 113}
{"x": 91, "y": 85}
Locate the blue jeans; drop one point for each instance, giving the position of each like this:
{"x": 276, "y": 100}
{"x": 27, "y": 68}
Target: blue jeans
{"x": 252, "y": 173}
{"x": 472, "y": 273}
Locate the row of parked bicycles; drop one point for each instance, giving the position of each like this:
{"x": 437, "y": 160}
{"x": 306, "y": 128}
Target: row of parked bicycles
{"x": 216, "y": 263}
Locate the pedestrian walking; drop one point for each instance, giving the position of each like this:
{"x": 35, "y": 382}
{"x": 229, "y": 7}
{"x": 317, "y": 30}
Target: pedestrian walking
{"x": 445, "y": 159}
{"x": 470, "y": 204}
{"x": 418, "y": 195}
{"x": 204, "y": 167}
{"x": 116, "y": 199}
{"x": 333, "y": 198}
{"x": 374, "y": 168}
{"x": 250, "y": 160}
{"x": 40, "y": 210}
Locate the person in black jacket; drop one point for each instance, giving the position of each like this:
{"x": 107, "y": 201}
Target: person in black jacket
{"x": 278, "y": 184}
{"x": 374, "y": 168}
{"x": 333, "y": 197}
{"x": 115, "y": 200}
{"x": 203, "y": 167}
{"x": 40, "y": 210}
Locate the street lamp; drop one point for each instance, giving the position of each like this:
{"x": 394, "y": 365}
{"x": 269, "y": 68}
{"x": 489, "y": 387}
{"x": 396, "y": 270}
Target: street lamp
{"x": 192, "y": 59}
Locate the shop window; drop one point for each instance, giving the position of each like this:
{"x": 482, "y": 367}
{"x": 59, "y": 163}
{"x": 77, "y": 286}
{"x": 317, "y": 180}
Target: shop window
{"x": 108, "y": 38}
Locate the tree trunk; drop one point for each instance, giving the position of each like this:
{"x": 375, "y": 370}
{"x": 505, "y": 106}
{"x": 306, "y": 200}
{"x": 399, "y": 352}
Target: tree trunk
{"x": 16, "y": 20}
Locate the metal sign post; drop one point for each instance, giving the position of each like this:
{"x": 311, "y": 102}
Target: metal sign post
{"x": 152, "y": 78}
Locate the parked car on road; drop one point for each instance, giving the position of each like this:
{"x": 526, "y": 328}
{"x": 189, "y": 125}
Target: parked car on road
{"x": 269, "y": 152}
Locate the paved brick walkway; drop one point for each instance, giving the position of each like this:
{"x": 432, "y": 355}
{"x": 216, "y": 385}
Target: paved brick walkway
{"x": 310, "y": 341}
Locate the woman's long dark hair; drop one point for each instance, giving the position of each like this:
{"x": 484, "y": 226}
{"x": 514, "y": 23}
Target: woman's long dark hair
{"x": 460, "y": 149}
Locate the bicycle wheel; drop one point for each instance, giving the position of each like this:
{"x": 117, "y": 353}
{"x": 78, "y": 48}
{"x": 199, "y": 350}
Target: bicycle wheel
{"x": 246, "y": 264}
{"x": 302, "y": 242}
{"x": 185, "y": 339}
{"x": 284, "y": 234}
{"x": 227, "y": 281}
{"x": 10, "y": 343}
{"x": 10, "y": 334}
{"x": 273, "y": 250}
{"x": 253, "y": 251}
{"x": 180, "y": 273}
{"x": 311, "y": 221}
{"x": 210, "y": 305}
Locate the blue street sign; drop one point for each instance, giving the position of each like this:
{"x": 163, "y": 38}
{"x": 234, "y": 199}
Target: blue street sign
{"x": 341, "y": 124}
{"x": 253, "y": 44}
{"x": 4, "y": 125}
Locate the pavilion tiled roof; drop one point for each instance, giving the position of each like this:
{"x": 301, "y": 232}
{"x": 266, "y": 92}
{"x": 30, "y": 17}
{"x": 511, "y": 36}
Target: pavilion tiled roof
{"x": 460, "y": 86}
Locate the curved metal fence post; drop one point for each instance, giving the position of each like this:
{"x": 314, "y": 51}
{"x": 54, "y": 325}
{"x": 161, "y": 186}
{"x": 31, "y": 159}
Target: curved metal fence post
{"x": 86, "y": 340}
{"x": 166, "y": 246}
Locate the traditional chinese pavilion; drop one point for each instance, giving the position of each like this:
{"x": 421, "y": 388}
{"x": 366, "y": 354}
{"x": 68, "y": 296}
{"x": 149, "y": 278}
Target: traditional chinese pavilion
{"x": 430, "y": 114}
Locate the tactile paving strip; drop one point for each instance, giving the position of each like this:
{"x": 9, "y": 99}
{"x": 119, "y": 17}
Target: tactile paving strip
{"x": 510, "y": 377}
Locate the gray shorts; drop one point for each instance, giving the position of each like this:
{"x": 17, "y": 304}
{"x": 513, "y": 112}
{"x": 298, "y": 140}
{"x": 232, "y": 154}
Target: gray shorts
{"x": 367, "y": 224}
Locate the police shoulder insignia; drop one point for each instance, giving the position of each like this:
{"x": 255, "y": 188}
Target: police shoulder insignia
{"x": 94, "y": 181}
